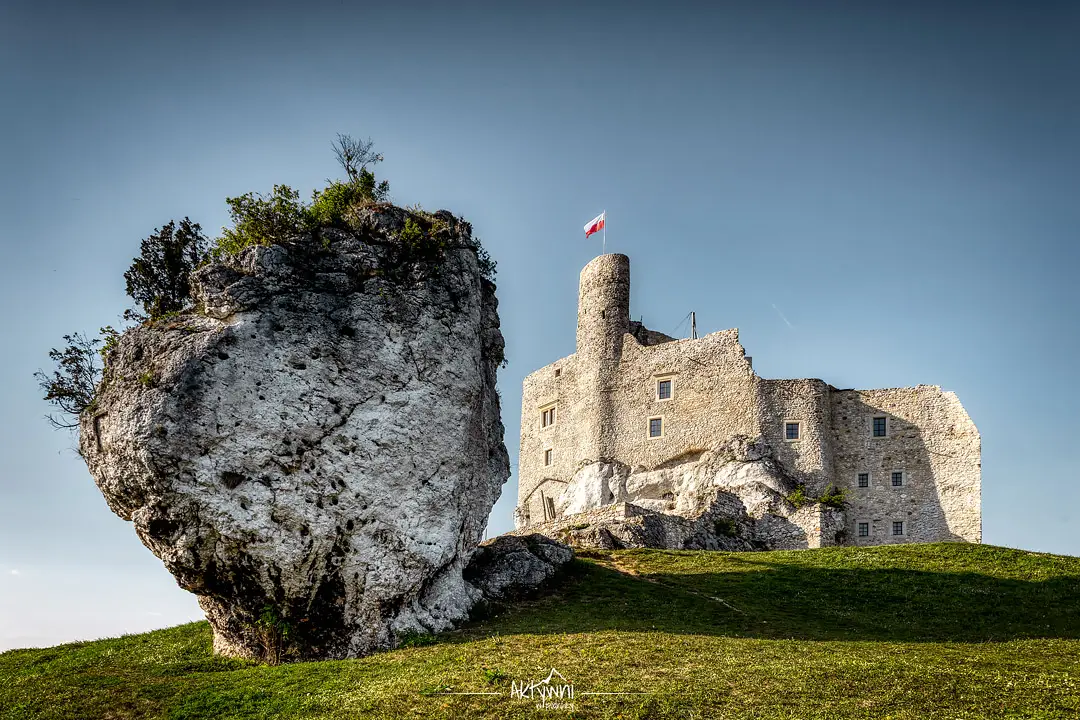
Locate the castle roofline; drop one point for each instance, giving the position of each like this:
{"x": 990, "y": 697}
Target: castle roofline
{"x": 647, "y": 347}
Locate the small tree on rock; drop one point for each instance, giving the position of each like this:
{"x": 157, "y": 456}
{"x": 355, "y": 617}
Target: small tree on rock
{"x": 356, "y": 157}
{"x": 159, "y": 279}
{"x": 72, "y": 384}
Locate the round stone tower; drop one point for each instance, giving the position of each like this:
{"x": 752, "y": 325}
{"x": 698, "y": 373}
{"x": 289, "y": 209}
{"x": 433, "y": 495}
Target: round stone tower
{"x": 603, "y": 319}
{"x": 603, "y": 307}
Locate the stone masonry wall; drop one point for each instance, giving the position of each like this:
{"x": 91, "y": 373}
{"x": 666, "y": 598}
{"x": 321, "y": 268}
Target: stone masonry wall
{"x": 931, "y": 440}
{"x": 713, "y": 397}
{"x": 569, "y": 439}
{"x": 808, "y": 459}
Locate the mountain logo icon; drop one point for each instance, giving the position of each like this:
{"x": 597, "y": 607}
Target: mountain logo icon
{"x": 554, "y": 688}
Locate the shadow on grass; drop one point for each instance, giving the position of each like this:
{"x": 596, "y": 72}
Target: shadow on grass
{"x": 806, "y": 603}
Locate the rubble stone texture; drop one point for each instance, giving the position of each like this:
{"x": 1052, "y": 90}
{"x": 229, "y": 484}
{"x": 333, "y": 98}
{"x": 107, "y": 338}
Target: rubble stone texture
{"x": 508, "y": 567}
{"x": 724, "y": 452}
{"x": 319, "y": 448}
{"x": 731, "y": 498}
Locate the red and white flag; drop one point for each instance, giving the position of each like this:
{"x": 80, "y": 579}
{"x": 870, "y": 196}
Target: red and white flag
{"x": 595, "y": 225}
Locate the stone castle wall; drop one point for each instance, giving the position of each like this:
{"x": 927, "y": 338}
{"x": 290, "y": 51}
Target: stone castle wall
{"x": 932, "y": 441}
{"x": 808, "y": 459}
{"x": 606, "y": 393}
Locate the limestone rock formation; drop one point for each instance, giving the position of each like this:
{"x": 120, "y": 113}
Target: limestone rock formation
{"x": 509, "y": 567}
{"x": 734, "y": 497}
{"x": 317, "y": 449}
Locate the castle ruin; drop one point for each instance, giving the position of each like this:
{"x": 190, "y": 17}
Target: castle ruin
{"x": 636, "y": 424}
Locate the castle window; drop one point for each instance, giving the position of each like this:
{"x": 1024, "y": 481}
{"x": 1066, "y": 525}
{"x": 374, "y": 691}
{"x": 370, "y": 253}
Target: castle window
{"x": 864, "y": 480}
{"x": 898, "y": 527}
{"x": 880, "y": 427}
{"x": 898, "y": 478}
{"x": 792, "y": 430}
{"x": 656, "y": 427}
{"x": 663, "y": 389}
{"x": 864, "y": 529}
{"x": 547, "y": 417}
{"x": 547, "y": 456}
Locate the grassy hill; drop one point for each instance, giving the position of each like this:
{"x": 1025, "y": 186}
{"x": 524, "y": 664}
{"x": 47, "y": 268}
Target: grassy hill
{"x": 909, "y": 631}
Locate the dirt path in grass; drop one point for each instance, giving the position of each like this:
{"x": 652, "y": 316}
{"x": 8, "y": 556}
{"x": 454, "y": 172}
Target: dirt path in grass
{"x": 619, "y": 565}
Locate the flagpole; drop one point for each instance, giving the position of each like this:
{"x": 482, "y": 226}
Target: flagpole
{"x": 604, "y": 251}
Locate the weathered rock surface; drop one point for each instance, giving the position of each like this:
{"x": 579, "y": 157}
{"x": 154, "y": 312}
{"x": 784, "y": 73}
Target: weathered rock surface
{"x": 509, "y": 567}
{"x": 321, "y": 446}
{"x": 626, "y": 525}
{"x": 734, "y": 497}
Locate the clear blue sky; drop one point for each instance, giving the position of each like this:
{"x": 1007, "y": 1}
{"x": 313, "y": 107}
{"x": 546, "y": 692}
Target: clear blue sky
{"x": 877, "y": 194}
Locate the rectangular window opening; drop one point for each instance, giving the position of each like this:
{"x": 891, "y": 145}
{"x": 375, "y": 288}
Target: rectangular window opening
{"x": 547, "y": 417}
{"x": 880, "y": 427}
{"x": 864, "y": 480}
{"x": 864, "y": 529}
{"x": 547, "y": 456}
{"x": 663, "y": 390}
{"x": 792, "y": 430}
{"x": 656, "y": 427}
{"x": 898, "y": 527}
{"x": 898, "y": 478}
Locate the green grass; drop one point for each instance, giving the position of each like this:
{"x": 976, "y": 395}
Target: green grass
{"x": 909, "y": 631}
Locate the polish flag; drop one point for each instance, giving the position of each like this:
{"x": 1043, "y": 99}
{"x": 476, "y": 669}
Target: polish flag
{"x": 595, "y": 225}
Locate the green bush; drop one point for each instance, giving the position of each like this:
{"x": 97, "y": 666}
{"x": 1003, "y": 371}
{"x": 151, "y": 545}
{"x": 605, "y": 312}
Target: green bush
{"x": 110, "y": 339}
{"x": 416, "y": 246}
{"x": 259, "y": 219}
{"x": 273, "y": 632}
{"x": 833, "y": 497}
{"x": 262, "y": 220}
{"x": 329, "y": 205}
{"x": 799, "y": 497}
{"x": 412, "y": 236}
{"x": 487, "y": 265}
{"x": 369, "y": 189}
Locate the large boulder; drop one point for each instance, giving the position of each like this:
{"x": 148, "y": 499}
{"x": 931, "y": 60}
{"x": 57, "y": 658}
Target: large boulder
{"x": 510, "y": 567}
{"x": 316, "y": 451}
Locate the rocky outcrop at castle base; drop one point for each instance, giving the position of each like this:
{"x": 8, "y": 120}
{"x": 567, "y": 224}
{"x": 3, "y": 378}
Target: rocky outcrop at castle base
{"x": 735, "y": 497}
{"x": 622, "y": 525}
{"x": 508, "y": 567}
{"x": 319, "y": 448}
